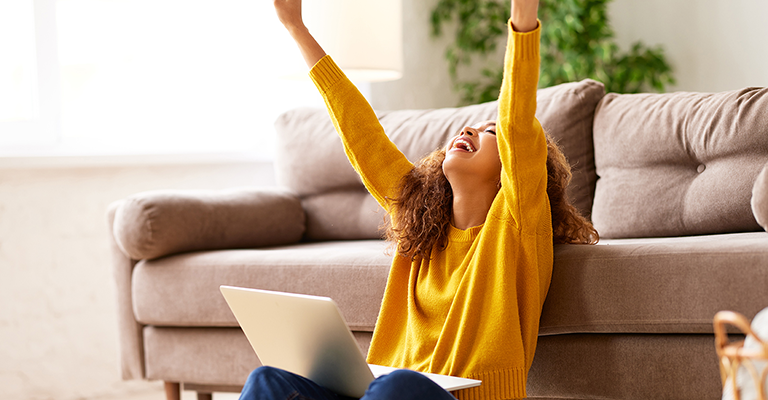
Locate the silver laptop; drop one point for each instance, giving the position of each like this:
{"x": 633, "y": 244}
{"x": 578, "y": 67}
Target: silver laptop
{"x": 307, "y": 335}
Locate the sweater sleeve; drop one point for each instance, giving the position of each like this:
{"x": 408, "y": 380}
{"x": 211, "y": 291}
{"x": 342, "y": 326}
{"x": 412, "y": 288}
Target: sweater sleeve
{"x": 372, "y": 154}
{"x": 521, "y": 140}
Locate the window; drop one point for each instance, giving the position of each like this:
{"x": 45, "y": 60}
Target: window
{"x": 150, "y": 76}
{"x": 18, "y": 80}
{"x": 28, "y": 107}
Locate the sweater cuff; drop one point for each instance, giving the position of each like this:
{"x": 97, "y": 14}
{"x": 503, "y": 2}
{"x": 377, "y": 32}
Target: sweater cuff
{"x": 525, "y": 44}
{"x": 326, "y": 73}
{"x": 497, "y": 385}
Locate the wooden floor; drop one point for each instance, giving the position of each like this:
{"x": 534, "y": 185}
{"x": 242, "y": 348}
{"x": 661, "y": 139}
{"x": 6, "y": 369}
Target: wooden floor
{"x": 160, "y": 395}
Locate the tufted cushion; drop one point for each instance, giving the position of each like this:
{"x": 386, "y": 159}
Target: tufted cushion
{"x": 679, "y": 163}
{"x": 760, "y": 198}
{"x": 311, "y": 160}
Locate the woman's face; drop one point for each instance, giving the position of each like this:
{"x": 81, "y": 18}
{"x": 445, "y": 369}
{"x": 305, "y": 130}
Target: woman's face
{"x": 474, "y": 153}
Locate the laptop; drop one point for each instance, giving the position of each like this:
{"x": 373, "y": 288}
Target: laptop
{"x": 307, "y": 335}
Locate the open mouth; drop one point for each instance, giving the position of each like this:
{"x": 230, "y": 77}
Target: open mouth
{"x": 464, "y": 144}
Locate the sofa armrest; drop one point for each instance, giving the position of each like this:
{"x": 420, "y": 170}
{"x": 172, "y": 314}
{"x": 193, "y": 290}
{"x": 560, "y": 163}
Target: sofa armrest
{"x": 154, "y": 224}
{"x": 760, "y": 198}
{"x": 129, "y": 330}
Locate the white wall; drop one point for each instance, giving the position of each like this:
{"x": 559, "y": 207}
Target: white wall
{"x": 713, "y": 45}
{"x": 425, "y": 82}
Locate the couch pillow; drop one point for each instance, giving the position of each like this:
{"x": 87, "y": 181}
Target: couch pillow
{"x": 678, "y": 163}
{"x": 566, "y": 112}
{"x": 158, "y": 223}
{"x": 311, "y": 160}
{"x": 760, "y": 198}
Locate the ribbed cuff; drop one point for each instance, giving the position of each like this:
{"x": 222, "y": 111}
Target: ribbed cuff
{"x": 525, "y": 44}
{"x": 326, "y": 73}
{"x": 497, "y": 385}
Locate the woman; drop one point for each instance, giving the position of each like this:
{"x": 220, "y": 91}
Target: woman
{"x": 474, "y": 225}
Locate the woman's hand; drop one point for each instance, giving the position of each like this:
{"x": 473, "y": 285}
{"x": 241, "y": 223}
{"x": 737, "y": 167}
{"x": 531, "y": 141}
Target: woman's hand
{"x": 524, "y": 14}
{"x": 289, "y": 13}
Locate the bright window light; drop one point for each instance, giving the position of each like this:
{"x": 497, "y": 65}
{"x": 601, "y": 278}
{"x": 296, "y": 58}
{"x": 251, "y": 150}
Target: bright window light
{"x": 18, "y": 68}
{"x": 167, "y": 76}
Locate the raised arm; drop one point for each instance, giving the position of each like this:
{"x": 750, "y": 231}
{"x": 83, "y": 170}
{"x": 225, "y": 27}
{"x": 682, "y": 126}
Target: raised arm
{"x": 521, "y": 140}
{"x": 375, "y": 158}
{"x": 289, "y": 14}
{"x": 524, "y": 14}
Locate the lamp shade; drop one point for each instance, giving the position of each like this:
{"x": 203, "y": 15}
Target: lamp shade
{"x": 364, "y": 37}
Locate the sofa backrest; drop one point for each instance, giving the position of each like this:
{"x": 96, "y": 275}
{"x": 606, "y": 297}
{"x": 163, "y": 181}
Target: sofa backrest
{"x": 678, "y": 163}
{"x": 311, "y": 161}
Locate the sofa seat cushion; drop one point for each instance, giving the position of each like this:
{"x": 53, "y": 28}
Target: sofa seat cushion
{"x": 659, "y": 285}
{"x": 183, "y": 290}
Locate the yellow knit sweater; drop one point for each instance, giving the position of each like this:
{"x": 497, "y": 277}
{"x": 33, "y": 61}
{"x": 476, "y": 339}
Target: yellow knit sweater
{"x": 473, "y": 309}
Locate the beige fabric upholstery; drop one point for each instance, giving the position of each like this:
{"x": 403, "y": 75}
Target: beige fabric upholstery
{"x": 344, "y": 215}
{"x": 129, "y": 331}
{"x": 760, "y": 198}
{"x": 678, "y": 163}
{"x": 664, "y": 285}
{"x": 153, "y": 224}
{"x": 222, "y": 356}
{"x": 311, "y": 160}
{"x": 206, "y": 356}
{"x": 667, "y": 285}
{"x": 199, "y": 355}
{"x": 618, "y": 366}
{"x": 566, "y": 112}
{"x": 183, "y": 290}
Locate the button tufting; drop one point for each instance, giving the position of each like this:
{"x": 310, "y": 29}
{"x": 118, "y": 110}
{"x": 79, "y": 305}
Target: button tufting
{"x": 701, "y": 168}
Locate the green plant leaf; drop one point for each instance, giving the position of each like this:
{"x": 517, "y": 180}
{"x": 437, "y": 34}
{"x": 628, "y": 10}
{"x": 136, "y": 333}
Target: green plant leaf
{"x": 576, "y": 43}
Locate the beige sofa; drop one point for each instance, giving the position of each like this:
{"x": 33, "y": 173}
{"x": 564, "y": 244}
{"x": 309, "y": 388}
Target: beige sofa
{"x": 673, "y": 183}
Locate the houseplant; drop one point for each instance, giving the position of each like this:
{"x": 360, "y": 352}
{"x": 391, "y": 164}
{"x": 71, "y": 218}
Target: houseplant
{"x": 576, "y": 43}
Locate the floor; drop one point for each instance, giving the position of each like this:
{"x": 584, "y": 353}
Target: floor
{"x": 58, "y": 312}
{"x": 144, "y": 390}
{"x": 160, "y": 395}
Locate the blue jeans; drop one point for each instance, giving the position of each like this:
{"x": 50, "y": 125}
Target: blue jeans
{"x": 267, "y": 383}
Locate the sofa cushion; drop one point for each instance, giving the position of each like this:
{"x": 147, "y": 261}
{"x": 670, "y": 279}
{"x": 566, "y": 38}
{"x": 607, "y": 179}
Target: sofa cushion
{"x": 760, "y": 198}
{"x": 206, "y": 356}
{"x": 154, "y": 224}
{"x": 344, "y": 215}
{"x": 183, "y": 290}
{"x": 311, "y": 160}
{"x": 625, "y": 366}
{"x": 678, "y": 163}
{"x": 662, "y": 285}
{"x": 659, "y": 285}
{"x": 202, "y": 356}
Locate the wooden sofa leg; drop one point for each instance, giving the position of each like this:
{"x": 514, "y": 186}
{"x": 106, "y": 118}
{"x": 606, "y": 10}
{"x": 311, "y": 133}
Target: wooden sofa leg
{"x": 204, "y": 396}
{"x": 172, "y": 391}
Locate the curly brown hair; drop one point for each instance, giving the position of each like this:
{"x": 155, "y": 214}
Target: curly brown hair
{"x": 422, "y": 211}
